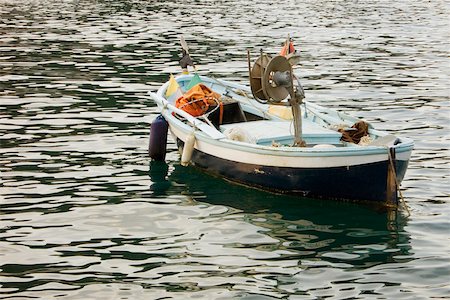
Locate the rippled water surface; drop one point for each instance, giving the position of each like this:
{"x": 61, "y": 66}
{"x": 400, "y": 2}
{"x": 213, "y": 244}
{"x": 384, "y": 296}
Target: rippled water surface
{"x": 85, "y": 215}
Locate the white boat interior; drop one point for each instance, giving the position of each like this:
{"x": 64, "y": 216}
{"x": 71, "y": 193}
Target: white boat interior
{"x": 271, "y": 125}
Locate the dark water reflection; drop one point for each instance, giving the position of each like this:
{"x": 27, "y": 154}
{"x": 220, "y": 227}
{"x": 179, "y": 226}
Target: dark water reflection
{"x": 83, "y": 218}
{"x": 309, "y": 227}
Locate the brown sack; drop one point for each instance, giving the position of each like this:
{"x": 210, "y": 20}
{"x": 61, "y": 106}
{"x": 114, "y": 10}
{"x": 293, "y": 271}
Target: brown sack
{"x": 354, "y": 136}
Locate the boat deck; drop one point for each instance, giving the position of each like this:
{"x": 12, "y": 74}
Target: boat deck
{"x": 265, "y": 132}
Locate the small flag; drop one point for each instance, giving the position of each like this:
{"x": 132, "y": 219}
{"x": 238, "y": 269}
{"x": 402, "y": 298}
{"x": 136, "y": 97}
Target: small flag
{"x": 194, "y": 81}
{"x": 173, "y": 90}
{"x": 288, "y": 48}
{"x": 173, "y": 86}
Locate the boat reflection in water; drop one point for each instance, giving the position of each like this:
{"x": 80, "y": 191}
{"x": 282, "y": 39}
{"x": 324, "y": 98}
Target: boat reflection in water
{"x": 315, "y": 230}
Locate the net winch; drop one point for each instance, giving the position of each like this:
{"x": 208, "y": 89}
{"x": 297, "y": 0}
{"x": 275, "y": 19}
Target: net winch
{"x": 272, "y": 81}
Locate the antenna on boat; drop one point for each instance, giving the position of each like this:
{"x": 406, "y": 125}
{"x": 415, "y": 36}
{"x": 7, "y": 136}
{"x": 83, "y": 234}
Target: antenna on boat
{"x": 272, "y": 81}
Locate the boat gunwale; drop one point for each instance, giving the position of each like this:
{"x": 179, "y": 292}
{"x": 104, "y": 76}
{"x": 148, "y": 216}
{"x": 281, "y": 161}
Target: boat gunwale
{"x": 406, "y": 144}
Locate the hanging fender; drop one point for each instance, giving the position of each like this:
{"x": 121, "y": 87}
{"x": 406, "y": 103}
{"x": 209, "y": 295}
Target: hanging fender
{"x": 157, "y": 146}
{"x": 188, "y": 149}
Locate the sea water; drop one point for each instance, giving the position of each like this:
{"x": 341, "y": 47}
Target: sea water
{"x": 86, "y": 215}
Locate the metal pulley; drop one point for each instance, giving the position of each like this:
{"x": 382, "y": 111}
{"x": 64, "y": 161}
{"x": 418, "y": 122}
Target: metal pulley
{"x": 272, "y": 81}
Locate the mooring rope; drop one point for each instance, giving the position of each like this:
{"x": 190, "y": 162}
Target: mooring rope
{"x": 403, "y": 201}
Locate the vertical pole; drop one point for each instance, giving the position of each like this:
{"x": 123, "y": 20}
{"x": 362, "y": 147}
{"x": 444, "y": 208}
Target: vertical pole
{"x": 249, "y": 65}
{"x": 297, "y": 115}
{"x": 295, "y": 102}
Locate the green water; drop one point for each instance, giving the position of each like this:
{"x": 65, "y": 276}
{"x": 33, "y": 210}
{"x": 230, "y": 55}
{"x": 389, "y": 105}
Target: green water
{"x": 85, "y": 215}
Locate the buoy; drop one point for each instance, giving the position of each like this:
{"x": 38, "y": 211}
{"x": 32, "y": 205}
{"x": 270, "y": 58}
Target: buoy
{"x": 188, "y": 149}
{"x": 157, "y": 145}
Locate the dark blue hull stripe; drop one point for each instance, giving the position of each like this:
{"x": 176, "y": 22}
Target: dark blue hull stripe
{"x": 357, "y": 183}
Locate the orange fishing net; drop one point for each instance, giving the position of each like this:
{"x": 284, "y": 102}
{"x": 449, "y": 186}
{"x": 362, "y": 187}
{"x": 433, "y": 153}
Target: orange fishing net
{"x": 197, "y": 100}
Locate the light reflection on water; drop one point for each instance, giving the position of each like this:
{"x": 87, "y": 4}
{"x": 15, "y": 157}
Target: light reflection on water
{"x": 84, "y": 216}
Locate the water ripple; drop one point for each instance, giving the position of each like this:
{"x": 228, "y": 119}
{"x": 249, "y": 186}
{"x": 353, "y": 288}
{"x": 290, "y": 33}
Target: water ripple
{"x": 85, "y": 216}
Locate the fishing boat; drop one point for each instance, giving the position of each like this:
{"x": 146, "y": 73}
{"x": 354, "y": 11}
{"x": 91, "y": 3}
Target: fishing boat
{"x": 267, "y": 136}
